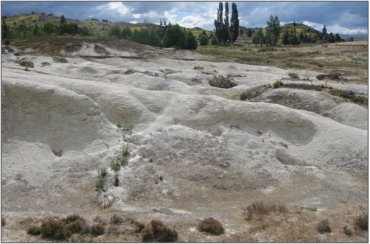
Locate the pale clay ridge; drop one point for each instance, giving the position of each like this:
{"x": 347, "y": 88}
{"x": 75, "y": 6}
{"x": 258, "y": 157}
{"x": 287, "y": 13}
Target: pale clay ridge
{"x": 187, "y": 133}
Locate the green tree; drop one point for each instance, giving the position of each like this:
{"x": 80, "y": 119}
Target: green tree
{"x": 4, "y": 29}
{"x": 115, "y": 31}
{"x": 337, "y": 38}
{"x": 273, "y": 28}
{"x": 219, "y": 22}
{"x": 191, "y": 41}
{"x": 214, "y": 40}
{"x": 285, "y": 40}
{"x": 249, "y": 33}
{"x": 324, "y": 30}
{"x": 293, "y": 39}
{"x": 62, "y": 20}
{"x": 126, "y": 33}
{"x": 174, "y": 36}
{"x": 49, "y": 28}
{"x": 203, "y": 39}
{"x": 234, "y": 25}
{"x": 226, "y": 25}
{"x": 36, "y": 31}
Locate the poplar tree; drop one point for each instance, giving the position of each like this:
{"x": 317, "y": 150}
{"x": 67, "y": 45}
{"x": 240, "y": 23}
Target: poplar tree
{"x": 234, "y": 25}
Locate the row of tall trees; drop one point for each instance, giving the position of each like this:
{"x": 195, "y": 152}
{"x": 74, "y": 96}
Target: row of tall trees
{"x": 271, "y": 35}
{"x": 227, "y": 29}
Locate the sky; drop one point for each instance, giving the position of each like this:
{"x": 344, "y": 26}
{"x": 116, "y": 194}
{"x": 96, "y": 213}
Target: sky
{"x": 339, "y": 17}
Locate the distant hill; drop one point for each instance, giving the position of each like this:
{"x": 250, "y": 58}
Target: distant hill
{"x": 357, "y": 38}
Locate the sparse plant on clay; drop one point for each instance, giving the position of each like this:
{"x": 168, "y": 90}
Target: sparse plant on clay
{"x": 212, "y": 226}
{"x": 103, "y": 172}
{"x": 34, "y": 230}
{"x": 119, "y": 125}
{"x": 323, "y": 226}
{"x": 125, "y": 151}
{"x": 99, "y": 183}
{"x": 116, "y": 166}
{"x": 156, "y": 231}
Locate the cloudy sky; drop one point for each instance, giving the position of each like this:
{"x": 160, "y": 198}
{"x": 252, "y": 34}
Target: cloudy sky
{"x": 338, "y": 17}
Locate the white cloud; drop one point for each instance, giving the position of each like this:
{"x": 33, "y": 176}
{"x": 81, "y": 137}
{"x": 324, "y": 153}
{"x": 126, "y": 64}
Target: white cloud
{"x": 316, "y": 26}
{"x": 192, "y": 21}
{"x": 343, "y": 30}
{"x": 119, "y": 8}
{"x": 137, "y": 16}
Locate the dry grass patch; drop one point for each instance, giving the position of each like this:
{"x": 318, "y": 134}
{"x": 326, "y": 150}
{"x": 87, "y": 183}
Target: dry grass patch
{"x": 259, "y": 208}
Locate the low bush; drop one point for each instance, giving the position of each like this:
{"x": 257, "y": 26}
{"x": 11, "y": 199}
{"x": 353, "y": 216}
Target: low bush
{"x": 277, "y": 84}
{"x": 115, "y": 166}
{"x": 76, "y": 226}
{"x": 34, "y": 230}
{"x": 116, "y": 220}
{"x": 362, "y": 221}
{"x": 156, "y": 231}
{"x": 72, "y": 218}
{"x": 212, "y": 226}
{"x": 323, "y": 226}
{"x": 100, "y": 183}
{"x": 97, "y": 229}
{"x": 103, "y": 172}
{"x": 221, "y": 82}
{"x": 54, "y": 228}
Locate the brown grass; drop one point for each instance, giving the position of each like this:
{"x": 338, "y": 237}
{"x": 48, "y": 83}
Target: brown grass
{"x": 259, "y": 208}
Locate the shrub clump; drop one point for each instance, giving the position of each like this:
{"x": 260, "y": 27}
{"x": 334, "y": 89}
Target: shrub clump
{"x": 54, "y": 228}
{"x": 362, "y": 221}
{"x": 212, "y": 226}
{"x": 34, "y": 230}
{"x": 156, "y": 231}
{"x": 116, "y": 220}
{"x": 222, "y": 82}
{"x": 97, "y": 229}
{"x": 277, "y": 84}
{"x": 323, "y": 226}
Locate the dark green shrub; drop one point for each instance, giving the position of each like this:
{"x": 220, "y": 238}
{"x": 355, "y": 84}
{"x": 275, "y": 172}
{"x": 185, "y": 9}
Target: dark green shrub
{"x": 323, "y": 226}
{"x": 7, "y": 42}
{"x": 103, "y": 172}
{"x": 97, "y": 229}
{"x": 116, "y": 220}
{"x": 100, "y": 183}
{"x": 115, "y": 166}
{"x": 72, "y": 218}
{"x": 76, "y": 226}
{"x": 362, "y": 221}
{"x": 156, "y": 231}
{"x": 54, "y": 228}
{"x": 212, "y": 226}
{"x": 34, "y": 230}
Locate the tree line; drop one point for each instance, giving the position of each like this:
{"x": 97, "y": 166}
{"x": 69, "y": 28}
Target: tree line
{"x": 175, "y": 36}
{"x": 48, "y": 29}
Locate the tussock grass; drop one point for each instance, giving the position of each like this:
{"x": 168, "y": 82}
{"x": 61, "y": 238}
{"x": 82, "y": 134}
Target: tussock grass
{"x": 34, "y": 230}
{"x": 259, "y": 208}
{"x": 362, "y": 221}
{"x": 324, "y": 226}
